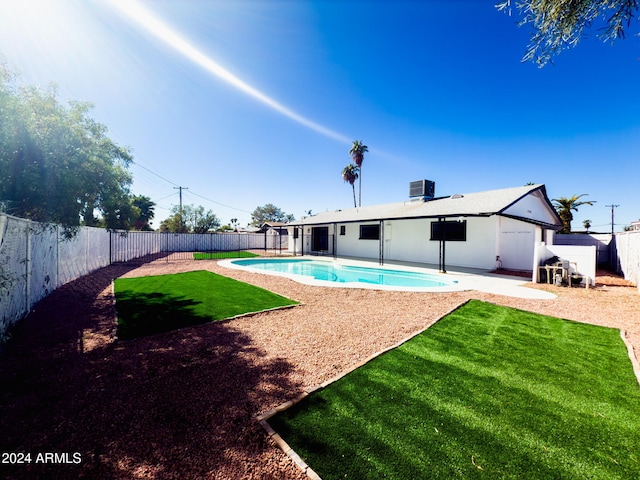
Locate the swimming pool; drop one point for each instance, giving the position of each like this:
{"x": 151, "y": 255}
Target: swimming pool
{"x": 338, "y": 274}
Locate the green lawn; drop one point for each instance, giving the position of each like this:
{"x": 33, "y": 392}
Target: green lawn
{"x": 155, "y": 304}
{"x": 487, "y": 392}
{"x": 218, "y": 255}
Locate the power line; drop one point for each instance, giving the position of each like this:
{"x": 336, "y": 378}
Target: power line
{"x": 613, "y": 207}
{"x": 218, "y": 203}
{"x": 177, "y": 187}
{"x": 180, "y": 189}
{"x": 154, "y": 173}
{"x": 163, "y": 198}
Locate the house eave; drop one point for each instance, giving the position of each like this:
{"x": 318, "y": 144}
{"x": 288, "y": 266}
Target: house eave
{"x": 449, "y": 209}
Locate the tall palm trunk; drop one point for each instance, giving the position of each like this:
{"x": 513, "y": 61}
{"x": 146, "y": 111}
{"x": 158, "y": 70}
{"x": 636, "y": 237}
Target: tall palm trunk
{"x": 357, "y": 152}
{"x": 349, "y": 175}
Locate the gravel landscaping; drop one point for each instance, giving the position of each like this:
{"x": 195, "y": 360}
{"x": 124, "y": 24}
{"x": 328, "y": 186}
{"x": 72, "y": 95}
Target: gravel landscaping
{"x": 184, "y": 404}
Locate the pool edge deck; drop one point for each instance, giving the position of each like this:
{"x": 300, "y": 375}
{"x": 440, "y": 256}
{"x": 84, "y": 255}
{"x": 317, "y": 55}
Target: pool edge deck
{"x": 466, "y": 278}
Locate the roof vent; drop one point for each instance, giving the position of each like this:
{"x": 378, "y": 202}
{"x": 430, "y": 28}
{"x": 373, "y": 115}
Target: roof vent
{"x": 457, "y": 195}
{"x": 424, "y": 189}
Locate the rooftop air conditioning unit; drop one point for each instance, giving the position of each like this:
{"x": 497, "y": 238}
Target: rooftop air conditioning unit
{"x": 425, "y": 189}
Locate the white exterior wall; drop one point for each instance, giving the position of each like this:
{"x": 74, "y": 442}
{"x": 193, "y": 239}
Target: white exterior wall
{"x": 294, "y": 246}
{"x": 350, "y": 245}
{"x": 479, "y": 251}
{"x": 532, "y": 206}
{"x": 409, "y": 240}
{"x": 516, "y": 242}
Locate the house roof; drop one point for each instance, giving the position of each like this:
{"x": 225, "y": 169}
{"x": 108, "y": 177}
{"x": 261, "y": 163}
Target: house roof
{"x": 275, "y": 224}
{"x": 528, "y": 203}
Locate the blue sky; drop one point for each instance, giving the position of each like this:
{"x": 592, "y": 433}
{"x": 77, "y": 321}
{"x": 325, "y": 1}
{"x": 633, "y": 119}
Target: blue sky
{"x": 436, "y": 89}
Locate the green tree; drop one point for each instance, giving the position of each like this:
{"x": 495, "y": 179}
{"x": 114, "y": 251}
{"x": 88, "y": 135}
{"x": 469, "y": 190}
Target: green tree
{"x": 173, "y": 223}
{"x": 269, "y": 213}
{"x": 146, "y": 213}
{"x": 587, "y": 225}
{"x": 191, "y": 220}
{"x": 357, "y": 151}
{"x": 350, "y": 175}
{"x": 564, "y": 206}
{"x": 132, "y": 212}
{"x": 57, "y": 163}
{"x": 120, "y": 214}
{"x": 560, "y": 24}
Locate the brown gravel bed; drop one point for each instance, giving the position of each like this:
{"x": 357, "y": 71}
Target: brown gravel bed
{"x": 184, "y": 404}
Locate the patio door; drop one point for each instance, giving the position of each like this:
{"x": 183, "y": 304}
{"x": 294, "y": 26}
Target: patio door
{"x": 320, "y": 239}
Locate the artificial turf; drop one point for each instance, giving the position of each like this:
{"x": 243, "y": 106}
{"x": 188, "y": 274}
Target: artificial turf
{"x": 218, "y": 255}
{"x": 486, "y": 392}
{"x": 156, "y": 304}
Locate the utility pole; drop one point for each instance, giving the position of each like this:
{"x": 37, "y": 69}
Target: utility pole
{"x": 612, "y": 213}
{"x": 181, "y": 219}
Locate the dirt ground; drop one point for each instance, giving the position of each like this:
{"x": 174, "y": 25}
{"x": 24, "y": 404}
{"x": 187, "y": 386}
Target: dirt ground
{"x": 183, "y": 405}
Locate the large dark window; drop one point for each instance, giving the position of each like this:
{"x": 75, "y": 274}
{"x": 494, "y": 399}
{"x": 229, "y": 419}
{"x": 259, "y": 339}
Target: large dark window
{"x": 320, "y": 239}
{"x": 369, "y": 232}
{"x": 449, "y": 231}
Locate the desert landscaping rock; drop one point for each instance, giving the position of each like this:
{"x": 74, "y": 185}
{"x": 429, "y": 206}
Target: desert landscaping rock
{"x": 185, "y": 404}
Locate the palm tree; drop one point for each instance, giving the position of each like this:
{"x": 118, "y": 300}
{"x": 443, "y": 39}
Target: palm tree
{"x": 587, "y": 225}
{"x": 564, "y": 206}
{"x": 349, "y": 175}
{"x": 357, "y": 152}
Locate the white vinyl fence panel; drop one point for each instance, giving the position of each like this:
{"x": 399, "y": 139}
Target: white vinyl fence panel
{"x": 627, "y": 247}
{"x": 35, "y": 259}
{"x": 13, "y": 271}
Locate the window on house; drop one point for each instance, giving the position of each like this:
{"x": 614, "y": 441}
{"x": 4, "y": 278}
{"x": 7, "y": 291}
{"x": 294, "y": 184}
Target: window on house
{"x": 451, "y": 231}
{"x": 369, "y": 232}
{"x": 343, "y": 230}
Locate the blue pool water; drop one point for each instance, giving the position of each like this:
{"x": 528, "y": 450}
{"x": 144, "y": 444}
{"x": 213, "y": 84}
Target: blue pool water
{"x": 331, "y": 272}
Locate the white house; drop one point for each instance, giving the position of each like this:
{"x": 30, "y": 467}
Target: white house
{"x": 465, "y": 230}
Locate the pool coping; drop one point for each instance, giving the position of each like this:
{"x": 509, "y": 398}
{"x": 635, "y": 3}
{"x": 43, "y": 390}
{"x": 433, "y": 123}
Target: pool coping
{"x": 466, "y": 278}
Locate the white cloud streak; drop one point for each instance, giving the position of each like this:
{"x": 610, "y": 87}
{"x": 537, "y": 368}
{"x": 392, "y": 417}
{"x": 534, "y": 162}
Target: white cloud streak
{"x": 154, "y": 25}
